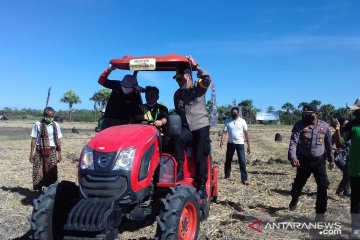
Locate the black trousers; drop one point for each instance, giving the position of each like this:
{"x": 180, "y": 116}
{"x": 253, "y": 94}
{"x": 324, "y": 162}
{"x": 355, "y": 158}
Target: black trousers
{"x": 355, "y": 202}
{"x": 341, "y": 162}
{"x": 317, "y": 167}
{"x": 200, "y": 142}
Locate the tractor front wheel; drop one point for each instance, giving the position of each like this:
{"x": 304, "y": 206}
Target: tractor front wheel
{"x": 179, "y": 217}
{"x": 51, "y": 209}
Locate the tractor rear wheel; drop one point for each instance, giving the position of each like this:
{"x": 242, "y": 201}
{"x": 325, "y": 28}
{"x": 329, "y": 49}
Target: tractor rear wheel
{"x": 51, "y": 209}
{"x": 179, "y": 217}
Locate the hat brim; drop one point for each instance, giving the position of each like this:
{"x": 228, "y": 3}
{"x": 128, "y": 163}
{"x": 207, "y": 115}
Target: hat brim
{"x": 140, "y": 89}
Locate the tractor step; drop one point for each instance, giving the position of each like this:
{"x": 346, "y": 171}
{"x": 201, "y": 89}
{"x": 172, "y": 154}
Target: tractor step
{"x": 109, "y": 235}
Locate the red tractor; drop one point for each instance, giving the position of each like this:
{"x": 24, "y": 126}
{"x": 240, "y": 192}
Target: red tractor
{"x": 123, "y": 175}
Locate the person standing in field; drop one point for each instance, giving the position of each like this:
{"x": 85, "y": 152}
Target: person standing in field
{"x": 310, "y": 141}
{"x": 238, "y": 135}
{"x": 352, "y": 132}
{"x": 45, "y": 150}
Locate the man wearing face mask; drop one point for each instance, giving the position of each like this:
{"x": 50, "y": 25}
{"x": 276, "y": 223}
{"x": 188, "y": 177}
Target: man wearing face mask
{"x": 154, "y": 112}
{"x": 189, "y": 101}
{"x": 238, "y": 134}
{"x": 124, "y": 104}
{"x": 45, "y": 150}
{"x": 310, "y": 141}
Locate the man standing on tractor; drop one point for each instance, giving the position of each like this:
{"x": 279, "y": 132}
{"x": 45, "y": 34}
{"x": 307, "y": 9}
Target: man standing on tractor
{"x": 124, "y": 105}
{"x": 190, "y": 104}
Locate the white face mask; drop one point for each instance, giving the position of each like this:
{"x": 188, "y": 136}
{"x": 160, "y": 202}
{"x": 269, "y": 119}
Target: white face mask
{"x": 127, "y": 90}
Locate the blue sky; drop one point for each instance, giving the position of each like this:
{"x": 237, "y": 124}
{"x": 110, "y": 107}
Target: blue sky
{"x": 269, "y": 51}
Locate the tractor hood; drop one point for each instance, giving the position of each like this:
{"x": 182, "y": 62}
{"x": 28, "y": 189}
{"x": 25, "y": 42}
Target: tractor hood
{"x": 120, "y": 137}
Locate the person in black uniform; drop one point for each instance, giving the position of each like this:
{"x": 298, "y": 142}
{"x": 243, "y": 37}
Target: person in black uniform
{"x": 124, "y": 105}
{"x": 309, "y": 143}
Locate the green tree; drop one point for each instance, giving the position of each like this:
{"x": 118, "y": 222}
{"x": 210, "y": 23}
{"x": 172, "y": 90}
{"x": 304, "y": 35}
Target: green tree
{"x": 302, "y": 104}
{"x": 7, "y": 111}
{"x": 341, "y": 113}
{"x": 101, "y": 98}
{"x": 316, "y": 102}
{"x": 70, "y": 98}
{"x": 326, "y": 111}
{"x": 223, "y": 112}
{"x": 289, "y": 108}
{"x": 270, "y": 109}
{"x": 248, "y": 110}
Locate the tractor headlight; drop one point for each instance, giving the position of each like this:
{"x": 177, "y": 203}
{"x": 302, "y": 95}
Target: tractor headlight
{"x": 87, "y": 158}
{"x": 124, "y": 159}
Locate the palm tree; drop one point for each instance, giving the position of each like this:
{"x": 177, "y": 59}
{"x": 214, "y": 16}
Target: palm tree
{"x": 302, "y": 104}
{"x": 316, "y": 103}
{"x": 70, "y": 98}
{"x": 289, "y": 109}
{"x": 100, "y": 99}
{"x": 326, "y": 111}
{"x": 247, "y": 109}
{"x": 270, "y": 109}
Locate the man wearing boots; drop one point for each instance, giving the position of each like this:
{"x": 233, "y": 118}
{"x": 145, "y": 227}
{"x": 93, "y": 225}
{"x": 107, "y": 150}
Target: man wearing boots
{"x": 190, "y": 104}
{"x": 309, "y": 143}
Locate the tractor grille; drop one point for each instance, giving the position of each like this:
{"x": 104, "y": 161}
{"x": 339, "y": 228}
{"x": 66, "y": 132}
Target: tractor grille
{"x": 92, "y": 215}
{"x": 104, "y": 187}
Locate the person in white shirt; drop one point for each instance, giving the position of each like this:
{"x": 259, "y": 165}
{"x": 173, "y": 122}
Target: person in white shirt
{"x": 237, "y": 131}
{"x": 45, "y": 150}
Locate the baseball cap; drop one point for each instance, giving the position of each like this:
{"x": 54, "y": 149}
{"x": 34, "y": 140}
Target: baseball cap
{"x": 310, "y": 108}
{"x": 356, "y": 105}
{"x": 181, "y": 72}
{"x": 130, "y": 82}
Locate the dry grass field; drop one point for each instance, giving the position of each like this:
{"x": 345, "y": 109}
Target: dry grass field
{"x": 266, "y": 198}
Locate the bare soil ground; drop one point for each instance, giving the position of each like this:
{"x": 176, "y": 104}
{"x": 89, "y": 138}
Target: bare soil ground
{"x": 265, "y": 199}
